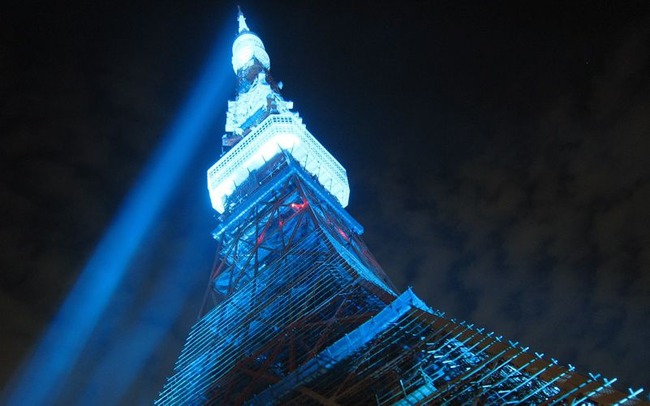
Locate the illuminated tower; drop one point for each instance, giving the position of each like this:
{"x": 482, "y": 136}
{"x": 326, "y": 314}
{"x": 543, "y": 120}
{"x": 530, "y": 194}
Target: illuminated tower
{"x": 298, "y": 311}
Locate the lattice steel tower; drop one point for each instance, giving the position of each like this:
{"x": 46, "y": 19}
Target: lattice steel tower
{"x": 299, "y": 312}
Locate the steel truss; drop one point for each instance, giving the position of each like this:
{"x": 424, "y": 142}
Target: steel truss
{"x": 291, "y": 278}
{"x": 297, "y": 311}
{"x": 412, "y": 355}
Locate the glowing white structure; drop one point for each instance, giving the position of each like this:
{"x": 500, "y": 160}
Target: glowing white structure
{"x": 278, "y": 130}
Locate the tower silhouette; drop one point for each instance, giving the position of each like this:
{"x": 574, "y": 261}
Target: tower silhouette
{"x": 298, "y": 311}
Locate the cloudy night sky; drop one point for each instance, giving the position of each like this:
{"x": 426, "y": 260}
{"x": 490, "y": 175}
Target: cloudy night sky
{"x": 497, "y": 156}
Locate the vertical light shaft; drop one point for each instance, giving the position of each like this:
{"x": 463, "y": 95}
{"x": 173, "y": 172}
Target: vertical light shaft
{"x": 43, "y": 374}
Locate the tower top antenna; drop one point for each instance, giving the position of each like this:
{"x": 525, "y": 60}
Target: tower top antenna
{"x": 242, "y": 21}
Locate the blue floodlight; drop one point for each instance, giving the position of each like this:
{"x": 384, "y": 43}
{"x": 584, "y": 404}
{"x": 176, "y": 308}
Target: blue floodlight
{"x": 42, "y": 376}
{"x": 110, "y": 379}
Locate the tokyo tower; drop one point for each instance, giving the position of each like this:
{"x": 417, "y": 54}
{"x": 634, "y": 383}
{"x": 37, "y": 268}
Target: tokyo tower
{"x": 298, "y": 311}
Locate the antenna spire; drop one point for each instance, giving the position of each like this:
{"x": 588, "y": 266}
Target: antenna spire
{"x": 242, "y": 21}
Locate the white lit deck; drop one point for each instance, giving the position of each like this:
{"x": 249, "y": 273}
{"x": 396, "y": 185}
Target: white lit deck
{"x": 278, "y": 132}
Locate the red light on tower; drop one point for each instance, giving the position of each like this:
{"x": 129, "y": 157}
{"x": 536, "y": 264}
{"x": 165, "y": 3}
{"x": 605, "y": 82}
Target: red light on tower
{"x": 298, "y": 206}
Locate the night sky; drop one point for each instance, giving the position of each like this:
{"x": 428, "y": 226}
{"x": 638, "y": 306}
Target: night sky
{"x": 497, "y": 157}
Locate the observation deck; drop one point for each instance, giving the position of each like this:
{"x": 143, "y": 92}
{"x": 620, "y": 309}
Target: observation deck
{"x": 277, "y": 133}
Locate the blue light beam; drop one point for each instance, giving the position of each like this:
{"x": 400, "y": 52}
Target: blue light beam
{"x": 122, "y": 362}
{"x": 40, "y": 379}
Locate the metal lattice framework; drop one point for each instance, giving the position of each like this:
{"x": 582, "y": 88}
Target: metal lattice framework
{"x": 408, "y": 354}
{"x": 298, "y": 312}
{"x": 291, "y": 279}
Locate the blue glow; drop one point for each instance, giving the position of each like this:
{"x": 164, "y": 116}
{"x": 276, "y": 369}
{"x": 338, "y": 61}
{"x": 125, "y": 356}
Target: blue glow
{"x": 111, "y": 379}
{"x": 43, "y": 375}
